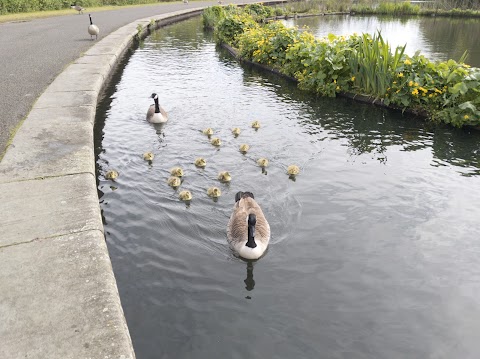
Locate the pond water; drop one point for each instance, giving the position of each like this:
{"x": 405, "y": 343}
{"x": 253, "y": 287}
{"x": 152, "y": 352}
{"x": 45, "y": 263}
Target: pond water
{"x": 375, "y": 245}
{"x": 438, "y": 38}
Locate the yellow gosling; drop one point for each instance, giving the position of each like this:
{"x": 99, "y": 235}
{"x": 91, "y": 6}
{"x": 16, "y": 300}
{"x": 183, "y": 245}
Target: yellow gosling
{"x": 262, "y": 162}
{"x": 224, "y": 177}
{"x": 185, "y": 195}
{"x": 200, "y": 162}
{"x": 111, "y": 175}
{"x": 244, "y": 148}
{"x": 148, "y": 156}
{"x": 214, "y": 192}
{"x": 216, "y": 141}
{"x": 208, "y": 131}
{"x": 176, "y": 171}
{"x": 293, "y": 170}
{"x": 235, "y": 131}
{"x": 174, "y": 181}
{"x": 256, "y": 125}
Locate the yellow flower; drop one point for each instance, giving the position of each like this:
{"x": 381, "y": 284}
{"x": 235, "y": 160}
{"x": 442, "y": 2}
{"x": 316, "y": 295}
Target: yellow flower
{"x": 416, "y": 84}
{"x": 334, "y": 81}
{"x": 338, "y": 87}
{"x": 397, "y": 91}
{"x": 466, "y": 117}
{"x": 400, "y": 74}
{"x": 410, "y": 83}
{"x": 353, "y": 78}
{"x": 415, "y": 92}
{"x": 431, "y": 95}
{"x": 465, "y": 65}
{"x": 394, "y": 82}
{"x": 407, "y": 62}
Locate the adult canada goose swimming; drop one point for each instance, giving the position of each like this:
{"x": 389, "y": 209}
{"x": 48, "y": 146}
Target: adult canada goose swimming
{"x": 93, "y": 29}
{"x": 148, "y": 156}
{"x": 208, "y": 131}
{"x": 244, "y": 148}
{"x": 185, "y": 195}
{"x": 262, "y": 162}
{"x": 176, "y": 171}
{"x": 224, "y": 177}
{"x": 293, "y": 170}
{"x": 214, "y": 192}
{"x": 200, "y": 162}
{"x": 155, "y": 113}
{"x": 256, "y": 125}
{"x": 78, "y": 8}
{"x": 174, "y": 182}
{"x": 248, "y": 231}
{"x": 216, "y": 141}
{"x": 111, "y": 175}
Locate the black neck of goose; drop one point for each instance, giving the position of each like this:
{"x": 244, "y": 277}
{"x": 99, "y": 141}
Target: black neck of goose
{"x": 91, "y": 23}
{"x": 252, "y": 220}
{"x": 157, "y": 106}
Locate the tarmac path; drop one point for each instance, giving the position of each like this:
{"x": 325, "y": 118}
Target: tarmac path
{"x": 34, "y": 52}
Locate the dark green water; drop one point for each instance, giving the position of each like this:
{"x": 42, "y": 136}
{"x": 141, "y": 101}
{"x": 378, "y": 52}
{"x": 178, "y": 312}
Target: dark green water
{"x": 375, "y": 246}
{"x": 438, "y": 38}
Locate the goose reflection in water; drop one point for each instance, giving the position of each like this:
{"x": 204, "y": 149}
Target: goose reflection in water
{"x": 249, "y": 281}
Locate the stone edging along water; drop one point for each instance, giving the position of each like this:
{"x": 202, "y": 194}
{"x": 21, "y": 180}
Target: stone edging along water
{"x": 59, "y": 297}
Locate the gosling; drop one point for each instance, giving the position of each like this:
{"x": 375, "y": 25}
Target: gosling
{"x": 244, "y": 148}
{"x": 176, "y": 171}
{"x": 293, "y": 170}
{"x": 214, "y": 192}
{"x": 256, "y": 125}
{"x": 208, "y": 131}
{"x": 111, "y": 175}
{"x": 235, "y": 131}
{"x": 216, "y": 142}
{"x": 185, "y": 195}
{"x": 200, "y": 162}
{"x": 148, "y": 156}
{"x": 224, "y": 177}
{"x": 174, "y": 182}
{"x": 262, "y": 162}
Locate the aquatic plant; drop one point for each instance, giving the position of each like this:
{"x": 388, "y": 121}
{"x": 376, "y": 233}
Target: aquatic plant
{"x": 359, "y": 65}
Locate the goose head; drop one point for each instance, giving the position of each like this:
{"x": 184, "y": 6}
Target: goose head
{"x": 251, "y": 220}
{"x": 154, "y": 96}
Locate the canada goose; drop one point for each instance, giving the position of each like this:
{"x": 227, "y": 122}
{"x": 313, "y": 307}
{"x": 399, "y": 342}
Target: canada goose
{"x": 176, "y": 171}
{"x": 256, "y": 125}
{"x": 185, "y": 1}
{"x": 155, "y": 113}
{"x": 224, "y": 177}
{"x": 174, "y": 182}
{"x": 111, "y": 175}
{"x": 248, "y": 231}
{"x": 93, "y": 29}
{"x": 216, "y": 141}
{"x": 293, "y": 170}
{"x": 148, "y": 156}
{"x": 244, "y": 148}
{"x": 200, "y": 162}
{"x": 235, "y": 131}
{"x": 262, "y": 162}
{"x": 78, "y": 8}
{"x": 214, "y": 192}
{"x": 208, "y": 131}
{"x": 185, "y": 195}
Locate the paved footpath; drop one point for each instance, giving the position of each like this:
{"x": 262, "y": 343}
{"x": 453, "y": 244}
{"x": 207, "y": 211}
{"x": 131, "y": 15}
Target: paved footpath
{"x": 33, "y": 53}
{"x": 58, "y": 294}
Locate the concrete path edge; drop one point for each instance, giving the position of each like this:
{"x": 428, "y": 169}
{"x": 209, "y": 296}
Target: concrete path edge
{"x": 59, "y": 297}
